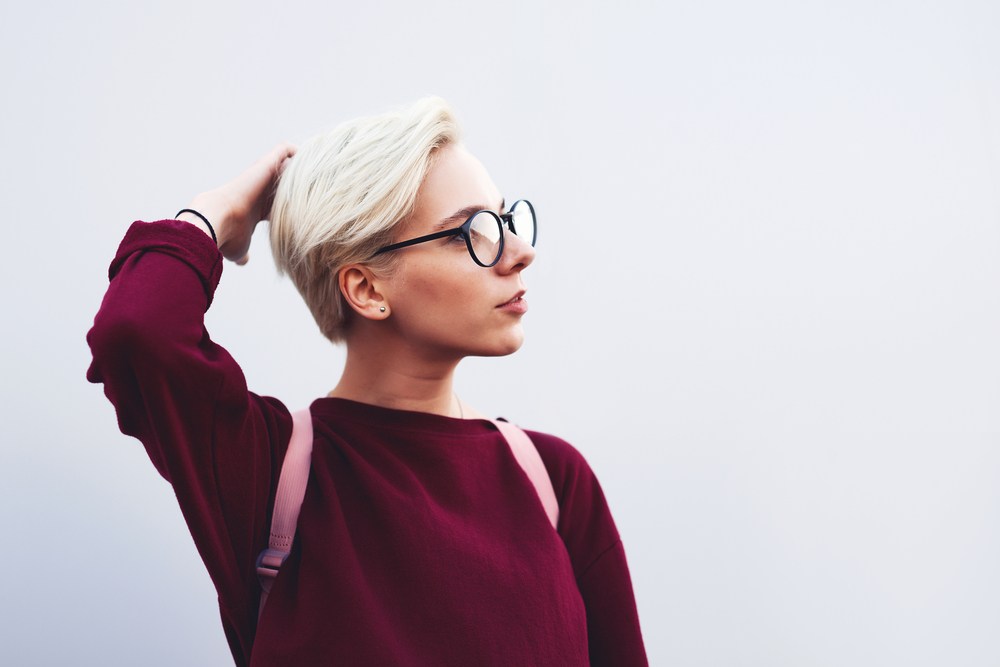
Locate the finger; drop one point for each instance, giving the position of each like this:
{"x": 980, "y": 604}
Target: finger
{"x": 274, "y": 163}
{"x": 276, "y": 157}
{"x": 261, "y": 176}
{"x": 263, "y": 170}
{"x": 284, "y": 164}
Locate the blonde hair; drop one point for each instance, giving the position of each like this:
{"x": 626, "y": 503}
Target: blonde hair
{"x": 342, "y": 196}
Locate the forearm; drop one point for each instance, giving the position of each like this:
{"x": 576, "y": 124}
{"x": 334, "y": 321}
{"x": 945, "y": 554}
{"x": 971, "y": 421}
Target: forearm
{"x": 149, "y": 342}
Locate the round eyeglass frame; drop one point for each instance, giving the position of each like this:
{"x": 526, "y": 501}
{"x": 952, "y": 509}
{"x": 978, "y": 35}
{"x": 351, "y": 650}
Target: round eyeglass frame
{"x": 464, "y": 230}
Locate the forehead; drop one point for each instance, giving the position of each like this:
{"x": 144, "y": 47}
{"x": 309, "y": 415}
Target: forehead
{"x": 455, "y": 180}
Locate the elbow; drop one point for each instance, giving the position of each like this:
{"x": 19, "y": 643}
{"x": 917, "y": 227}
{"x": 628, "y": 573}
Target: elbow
{"x": 115, "y": 339}
{"x": 127, "y": 343}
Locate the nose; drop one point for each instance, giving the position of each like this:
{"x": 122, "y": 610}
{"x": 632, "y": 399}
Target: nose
{"x": 518, "y": 254}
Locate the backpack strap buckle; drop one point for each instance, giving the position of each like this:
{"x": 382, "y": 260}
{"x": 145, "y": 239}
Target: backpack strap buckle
{"x": 268, "y": 563}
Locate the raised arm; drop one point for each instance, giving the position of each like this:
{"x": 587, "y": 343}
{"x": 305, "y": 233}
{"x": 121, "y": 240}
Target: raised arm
{"x": 180, "y": 393}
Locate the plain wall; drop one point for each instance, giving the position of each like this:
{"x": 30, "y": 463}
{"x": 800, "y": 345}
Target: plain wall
{"x": 766, "y": 303}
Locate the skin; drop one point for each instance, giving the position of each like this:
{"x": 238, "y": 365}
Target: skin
{"x": 440, "y": 306}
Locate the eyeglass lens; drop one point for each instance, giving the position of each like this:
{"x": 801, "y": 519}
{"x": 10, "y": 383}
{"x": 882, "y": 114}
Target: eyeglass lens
{"x": 523, "y": 219}
{"x": 486, "y": 229}
{"x": 484, "y": 234}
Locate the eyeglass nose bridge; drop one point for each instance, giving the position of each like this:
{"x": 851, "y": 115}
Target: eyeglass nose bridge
{"x": 508, "y": 219}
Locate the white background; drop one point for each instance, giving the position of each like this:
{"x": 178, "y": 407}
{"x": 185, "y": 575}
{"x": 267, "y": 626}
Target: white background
{"x": 766, "y": 304}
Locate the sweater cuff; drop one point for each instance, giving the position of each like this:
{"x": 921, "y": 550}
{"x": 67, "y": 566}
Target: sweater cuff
{"x": 178, "y": 239}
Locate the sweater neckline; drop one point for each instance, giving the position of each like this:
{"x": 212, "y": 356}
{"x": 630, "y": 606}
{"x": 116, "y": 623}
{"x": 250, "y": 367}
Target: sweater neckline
{"x": 344, "y": 409}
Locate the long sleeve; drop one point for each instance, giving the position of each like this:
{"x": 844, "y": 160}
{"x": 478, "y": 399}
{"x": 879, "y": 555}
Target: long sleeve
{"x": 595, "y": 549}
{"x": 186, "y": 399}
{"x": 613, "y": 633}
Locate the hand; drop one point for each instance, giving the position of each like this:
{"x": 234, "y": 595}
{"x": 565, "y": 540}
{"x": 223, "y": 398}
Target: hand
{"x": 234, "y": 209}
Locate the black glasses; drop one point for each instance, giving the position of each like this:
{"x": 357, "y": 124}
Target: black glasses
{"x": 483, "y": 232}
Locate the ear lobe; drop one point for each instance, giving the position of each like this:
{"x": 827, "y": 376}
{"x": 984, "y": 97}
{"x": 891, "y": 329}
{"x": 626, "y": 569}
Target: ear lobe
{"x": 360, "y": 289}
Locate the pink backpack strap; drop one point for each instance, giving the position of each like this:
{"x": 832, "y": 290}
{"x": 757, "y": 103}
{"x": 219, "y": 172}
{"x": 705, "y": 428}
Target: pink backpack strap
{"x": 527, "y": 456}
{"x": 287, "y": 502}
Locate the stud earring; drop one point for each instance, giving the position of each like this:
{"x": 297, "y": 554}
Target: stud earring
{"x": 381, "y": 309}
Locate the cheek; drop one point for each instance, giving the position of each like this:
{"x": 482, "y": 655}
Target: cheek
{"x": 437, "y": 287}
{"x": 439, "y": 298}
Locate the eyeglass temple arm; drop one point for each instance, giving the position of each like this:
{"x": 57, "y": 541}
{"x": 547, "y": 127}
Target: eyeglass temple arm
{"x": 419, "y": 239}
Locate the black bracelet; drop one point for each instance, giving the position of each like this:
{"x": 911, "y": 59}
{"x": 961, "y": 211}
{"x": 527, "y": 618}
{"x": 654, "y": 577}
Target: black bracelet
{"x": 203, "y": 219}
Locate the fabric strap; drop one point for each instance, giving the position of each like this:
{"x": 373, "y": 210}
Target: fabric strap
{"x": 531, "y": 462}
{"x": 295, "y": 474}
{"x": 287, "y": 503}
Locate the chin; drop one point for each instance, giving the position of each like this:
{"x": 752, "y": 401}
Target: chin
{"x": 511, "y": 345}
{"x": 503, "y": 346}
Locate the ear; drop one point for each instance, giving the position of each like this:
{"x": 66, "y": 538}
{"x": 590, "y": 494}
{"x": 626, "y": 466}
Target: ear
{"x": 360, "y": 287}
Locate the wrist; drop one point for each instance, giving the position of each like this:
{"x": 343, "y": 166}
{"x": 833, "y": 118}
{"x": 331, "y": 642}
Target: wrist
{"x": 199, "y": 220}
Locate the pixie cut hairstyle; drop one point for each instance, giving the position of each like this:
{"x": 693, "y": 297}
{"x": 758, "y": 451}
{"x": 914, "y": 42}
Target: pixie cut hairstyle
{"x": 342, "y": 196}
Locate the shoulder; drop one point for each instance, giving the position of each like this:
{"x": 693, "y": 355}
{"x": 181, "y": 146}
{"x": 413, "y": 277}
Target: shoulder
{"x": 585, "y": 522}
{"x": 569, "y": 471}
{"x": 562, "y": 460}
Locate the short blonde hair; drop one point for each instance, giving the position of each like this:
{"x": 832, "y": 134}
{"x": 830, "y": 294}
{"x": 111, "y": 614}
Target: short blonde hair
{"x": 342, "y": 195}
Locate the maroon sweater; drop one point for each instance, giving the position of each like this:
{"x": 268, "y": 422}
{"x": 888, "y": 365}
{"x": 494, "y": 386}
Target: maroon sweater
{"x": 420, "y": 542}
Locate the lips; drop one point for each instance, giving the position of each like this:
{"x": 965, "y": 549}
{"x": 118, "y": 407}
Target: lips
{"x": 516, "y": 306}
{"x": 514, "y": 299}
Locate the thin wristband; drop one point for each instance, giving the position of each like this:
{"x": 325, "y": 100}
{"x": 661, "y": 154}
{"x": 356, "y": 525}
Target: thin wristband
{"x": 203, "y": 219}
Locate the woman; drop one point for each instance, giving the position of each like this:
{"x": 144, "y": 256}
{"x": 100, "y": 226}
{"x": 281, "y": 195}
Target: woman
{"x": 420, "y": 540}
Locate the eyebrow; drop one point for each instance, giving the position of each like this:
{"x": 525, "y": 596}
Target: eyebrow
{"x": 461, "y": 215}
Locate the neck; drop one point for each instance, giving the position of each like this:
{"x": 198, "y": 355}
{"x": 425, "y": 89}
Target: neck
{"x": 396, "y": 376}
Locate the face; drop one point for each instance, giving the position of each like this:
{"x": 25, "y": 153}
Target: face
{"x": 441, "y": 301}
